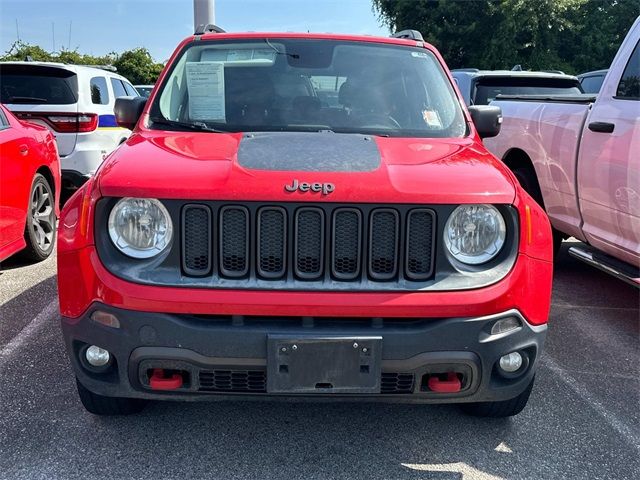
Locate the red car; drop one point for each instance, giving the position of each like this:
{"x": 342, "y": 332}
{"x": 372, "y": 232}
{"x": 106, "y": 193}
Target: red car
{"x": 304, "y": 215}
{"x": 29, "y": 188}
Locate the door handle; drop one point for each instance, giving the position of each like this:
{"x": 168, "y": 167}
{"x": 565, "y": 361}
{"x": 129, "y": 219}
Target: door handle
{"x": 602, "y": 127}
{"x": 24, "y": 150}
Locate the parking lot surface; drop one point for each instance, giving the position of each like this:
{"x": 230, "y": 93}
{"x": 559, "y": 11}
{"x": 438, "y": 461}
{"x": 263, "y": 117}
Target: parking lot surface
{"x": 583, "y": 419}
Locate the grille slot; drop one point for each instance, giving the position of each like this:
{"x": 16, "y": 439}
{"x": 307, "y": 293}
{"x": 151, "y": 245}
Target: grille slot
{"x": 309, "y": 243}
{"x": 383, "y": 244}
{"x": 232, "y": 381}
{"x": 420, "y": 244}
{"x": 346, "y": 244}
{"x": 196, "y": 237}
{"x": 396, "y": 382}
{"x": 272, "y": 229}
{"x": 234, "y": 241}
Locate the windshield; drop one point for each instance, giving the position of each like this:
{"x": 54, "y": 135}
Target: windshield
{"x": 309, "y": 85}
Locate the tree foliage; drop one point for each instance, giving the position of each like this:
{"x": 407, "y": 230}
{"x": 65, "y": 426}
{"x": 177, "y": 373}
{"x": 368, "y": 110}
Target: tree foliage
{"x": 136, "y": 65}
{"x": 569, "y": 35}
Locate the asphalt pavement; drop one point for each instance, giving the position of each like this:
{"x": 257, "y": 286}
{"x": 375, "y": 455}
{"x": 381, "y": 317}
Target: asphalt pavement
{"x": 582, "y": 422}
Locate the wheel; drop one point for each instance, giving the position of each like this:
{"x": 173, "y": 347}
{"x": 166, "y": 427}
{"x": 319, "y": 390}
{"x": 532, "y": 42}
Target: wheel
{"x": 529, "y": 182}
{"x": 40, "y": 228}
{"x": 101, "y": 405}
{"x": 505, "y": 408}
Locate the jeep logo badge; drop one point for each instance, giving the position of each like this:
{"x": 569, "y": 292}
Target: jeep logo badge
{"x": 324, "y": 188}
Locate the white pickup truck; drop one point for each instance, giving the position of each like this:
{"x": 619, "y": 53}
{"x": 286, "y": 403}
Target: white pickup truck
{"x": 579, "y": 157}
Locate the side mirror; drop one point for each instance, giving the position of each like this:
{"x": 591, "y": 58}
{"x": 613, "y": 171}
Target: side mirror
{"x": 487, "y": 119}
{"x": 128, "y": 110}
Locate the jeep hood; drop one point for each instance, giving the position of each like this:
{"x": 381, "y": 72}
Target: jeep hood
{"x": 257, "y": 166}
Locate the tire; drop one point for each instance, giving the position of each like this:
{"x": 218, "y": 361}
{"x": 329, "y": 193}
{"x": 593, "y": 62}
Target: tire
{"x": 505, "y": 408}
{"x": 101, "y": 405}
{"x": 40, "y": 226}
{"x": 529, "y": 182}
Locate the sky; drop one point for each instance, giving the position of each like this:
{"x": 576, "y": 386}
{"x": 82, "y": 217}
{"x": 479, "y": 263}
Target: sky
{"x": 102, "y": 26}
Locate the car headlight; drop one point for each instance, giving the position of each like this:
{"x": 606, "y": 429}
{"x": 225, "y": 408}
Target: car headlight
{"x": 140, "y": 227}
{"x": 474, "y": 234}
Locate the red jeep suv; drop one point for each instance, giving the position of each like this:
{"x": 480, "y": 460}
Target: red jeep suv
{"x": 305, "y": 215}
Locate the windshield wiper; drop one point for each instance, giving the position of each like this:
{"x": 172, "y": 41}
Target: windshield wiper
{"x": 197, "y": 126}
{"x": 26, "y": 100}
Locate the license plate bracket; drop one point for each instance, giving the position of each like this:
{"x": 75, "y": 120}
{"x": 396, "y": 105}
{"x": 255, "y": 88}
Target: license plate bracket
{"x": 323, "y": 364}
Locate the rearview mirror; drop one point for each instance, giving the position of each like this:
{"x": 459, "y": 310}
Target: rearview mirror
{"x": 128, "y": 110}
{"x": 487, "y": 119}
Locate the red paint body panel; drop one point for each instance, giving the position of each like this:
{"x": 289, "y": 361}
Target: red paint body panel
{"x": 24, "y": 149}
{"x": 93, "y": 283}
{"x": 204, "y": 166}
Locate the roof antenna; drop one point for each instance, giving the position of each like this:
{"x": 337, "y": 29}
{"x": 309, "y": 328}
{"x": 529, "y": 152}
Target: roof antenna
{"x": 517, "y": 68}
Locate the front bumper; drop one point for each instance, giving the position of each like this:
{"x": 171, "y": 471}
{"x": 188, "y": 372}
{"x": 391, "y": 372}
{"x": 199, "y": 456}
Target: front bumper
{"x": 201, "y": 345}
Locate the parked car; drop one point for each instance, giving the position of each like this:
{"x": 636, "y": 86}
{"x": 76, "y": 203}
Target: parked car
{"x": 591, "y": 82}
{"x": 578, "y": 157}
{"x": 242, "y": 244}
{"x": 480, "y": 87}
{"x": 29, "y": 188}
{"x": 75, "y": 103}
{"x": 144, "y": 90}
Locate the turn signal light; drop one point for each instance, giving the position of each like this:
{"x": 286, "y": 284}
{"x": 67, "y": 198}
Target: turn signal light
{"x": 106, "y": 319}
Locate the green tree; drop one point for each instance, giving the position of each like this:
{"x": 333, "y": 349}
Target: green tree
{"x": 138, "y": 66}
{"x": 20, "y": 51}
{"x": 570, "y": 35}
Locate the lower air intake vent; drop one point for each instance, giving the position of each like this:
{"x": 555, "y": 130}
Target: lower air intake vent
{"x": 232, "y": 381}
{"x": 397, "y": 383}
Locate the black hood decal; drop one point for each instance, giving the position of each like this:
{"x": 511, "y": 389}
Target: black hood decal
{"x": 309, "y": 152}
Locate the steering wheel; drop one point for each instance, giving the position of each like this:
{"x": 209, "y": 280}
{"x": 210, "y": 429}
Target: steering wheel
{"x": 376, "y": 120}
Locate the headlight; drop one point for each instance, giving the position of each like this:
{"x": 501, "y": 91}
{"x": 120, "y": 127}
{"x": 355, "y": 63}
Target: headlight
{"x": 140, "y": 227}
{"x": 474, "y": 234}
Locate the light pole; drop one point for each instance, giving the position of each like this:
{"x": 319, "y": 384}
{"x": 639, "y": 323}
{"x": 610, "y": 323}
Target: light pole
{"x": 204, "y": 13}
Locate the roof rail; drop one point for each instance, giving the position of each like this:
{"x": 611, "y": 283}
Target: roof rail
{"x": 410, "y": 34}
{"x": 472, "y": 70}
{"x": 560, "y": 72}
{"x": 208, "y": 28}
{"x": 108, "y": 68}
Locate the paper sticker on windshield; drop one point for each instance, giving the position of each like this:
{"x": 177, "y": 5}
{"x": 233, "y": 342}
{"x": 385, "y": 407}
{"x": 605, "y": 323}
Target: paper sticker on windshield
{"x": 420, "y": 54}
{"x": 431, "y": 118}
{"x": 205, "y": 82}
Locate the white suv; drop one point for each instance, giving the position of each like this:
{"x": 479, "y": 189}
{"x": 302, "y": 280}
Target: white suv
{"x": 75, "y": 103}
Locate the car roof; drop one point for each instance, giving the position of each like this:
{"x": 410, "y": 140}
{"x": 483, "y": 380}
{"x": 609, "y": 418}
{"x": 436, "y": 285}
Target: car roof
{"x": 88, "y": 69}
{"x": 316, "y": 36}
{"x": 509, "y": 73}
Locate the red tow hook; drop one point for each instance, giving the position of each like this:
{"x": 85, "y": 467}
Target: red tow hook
{"x": 450, "y": 385}
{"x": 159, "y": 381}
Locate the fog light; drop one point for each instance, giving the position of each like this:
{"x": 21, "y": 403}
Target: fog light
{"x": 96, "y": 356}
{"x": 505, "y": 325}
{"x": 511, "y": 362}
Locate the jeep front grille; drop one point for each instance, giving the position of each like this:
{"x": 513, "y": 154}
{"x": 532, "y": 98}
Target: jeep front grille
{"x": 318, "y": 242}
